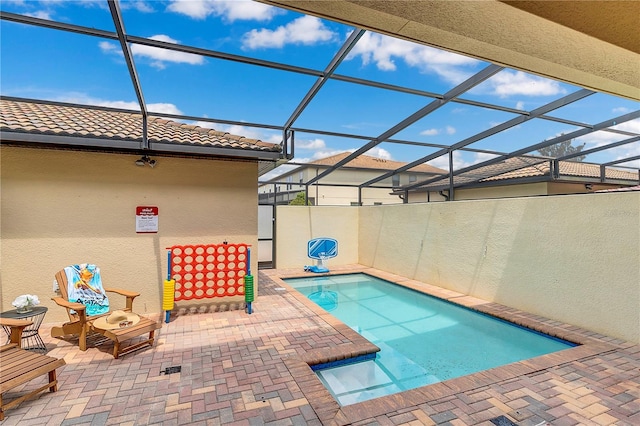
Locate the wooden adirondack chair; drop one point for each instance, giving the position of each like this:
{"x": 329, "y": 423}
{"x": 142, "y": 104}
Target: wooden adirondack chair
{"x": 79, "y": 322}
{"x": 20, "y": 366}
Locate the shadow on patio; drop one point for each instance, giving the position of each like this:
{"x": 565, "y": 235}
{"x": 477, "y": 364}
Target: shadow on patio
{"x": 251, "y": 369}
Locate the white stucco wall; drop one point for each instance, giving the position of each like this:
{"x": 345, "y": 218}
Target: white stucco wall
{"x": 503, "y": 191}
{"x": 296, "y": 225}
{"x": 571, "y": 258}
{"x": 65, "y": 207}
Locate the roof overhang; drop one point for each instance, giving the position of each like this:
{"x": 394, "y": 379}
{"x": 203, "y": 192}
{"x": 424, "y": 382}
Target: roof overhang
{"x": 36, "y": 140}
{"x": 592, "y": 44}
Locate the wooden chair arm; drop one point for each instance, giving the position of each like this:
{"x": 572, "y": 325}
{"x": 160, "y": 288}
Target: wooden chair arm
{"x": 17, "y": 326}
{"x": 125, "y": 293}
{"x": 69, "y": 305}
{"x": 130, "y": 295}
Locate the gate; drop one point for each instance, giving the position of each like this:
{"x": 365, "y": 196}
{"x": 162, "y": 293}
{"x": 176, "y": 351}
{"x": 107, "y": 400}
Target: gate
{"x": 266, "y": 239}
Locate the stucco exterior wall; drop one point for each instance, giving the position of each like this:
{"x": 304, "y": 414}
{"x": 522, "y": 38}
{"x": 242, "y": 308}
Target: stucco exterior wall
{"x": 344, "y": 196}
{"x": 65, "y": 207}
{"x": 503, "y": 191}
{"x": 296, "y": 225}
{"x": 557, "y": 188}
{"x": 573, "y": 258}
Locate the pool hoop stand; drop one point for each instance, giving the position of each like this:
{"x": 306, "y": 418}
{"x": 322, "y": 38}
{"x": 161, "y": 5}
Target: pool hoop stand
{"x": 321, "y": 249}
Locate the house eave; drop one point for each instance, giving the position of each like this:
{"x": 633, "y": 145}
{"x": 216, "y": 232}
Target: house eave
{"x": 131, "y": 146}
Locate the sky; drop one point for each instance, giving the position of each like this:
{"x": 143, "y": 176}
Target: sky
{"x": 41, "y": 63}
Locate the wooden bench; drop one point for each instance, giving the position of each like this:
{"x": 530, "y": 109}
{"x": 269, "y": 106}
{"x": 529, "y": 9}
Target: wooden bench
{"x": 20, "y": 366}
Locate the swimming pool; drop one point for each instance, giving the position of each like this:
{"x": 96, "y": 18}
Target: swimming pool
{"x": 423, "y": 340}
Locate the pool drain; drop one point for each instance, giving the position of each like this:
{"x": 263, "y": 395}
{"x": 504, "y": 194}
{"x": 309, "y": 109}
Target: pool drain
{"x": 502, "y": 421}
{"x": 171, "y": 370}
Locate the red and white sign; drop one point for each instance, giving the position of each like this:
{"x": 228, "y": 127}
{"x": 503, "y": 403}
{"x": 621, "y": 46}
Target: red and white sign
{"x": 146, "y": 219}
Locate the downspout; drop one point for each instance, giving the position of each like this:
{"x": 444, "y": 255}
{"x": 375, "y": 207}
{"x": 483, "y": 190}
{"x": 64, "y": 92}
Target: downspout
{"x": 450, "y": 197}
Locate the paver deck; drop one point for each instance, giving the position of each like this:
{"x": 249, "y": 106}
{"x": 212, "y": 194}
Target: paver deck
{"x": 241, "y": 369}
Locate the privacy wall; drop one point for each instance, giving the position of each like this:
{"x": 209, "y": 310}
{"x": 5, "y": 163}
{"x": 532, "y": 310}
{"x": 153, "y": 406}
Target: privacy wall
{"x": 65, "y": 207}
{"x": 574, "y": 258}
{"x": 296, "y": 225}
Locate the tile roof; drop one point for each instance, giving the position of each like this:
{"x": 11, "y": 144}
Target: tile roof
{"x": 512, "y": 169}
{"x": 86, "y": 122}
{"x": 567, "y": 168}
{"x": 368, "y": 162}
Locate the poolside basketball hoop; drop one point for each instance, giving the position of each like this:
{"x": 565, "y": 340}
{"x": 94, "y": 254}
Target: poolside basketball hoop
{"x": 321, "y": 249}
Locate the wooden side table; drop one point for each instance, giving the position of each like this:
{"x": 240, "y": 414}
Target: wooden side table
{"x": 31, "y": 339}
{"x": 120, "y": 335}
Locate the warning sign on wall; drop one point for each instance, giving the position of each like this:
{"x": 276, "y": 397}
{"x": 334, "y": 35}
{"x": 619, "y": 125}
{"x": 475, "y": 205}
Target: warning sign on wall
{"x": 146, "y": 219}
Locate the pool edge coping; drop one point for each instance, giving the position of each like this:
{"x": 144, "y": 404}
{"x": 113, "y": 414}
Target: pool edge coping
{"x": 589, "y": 344}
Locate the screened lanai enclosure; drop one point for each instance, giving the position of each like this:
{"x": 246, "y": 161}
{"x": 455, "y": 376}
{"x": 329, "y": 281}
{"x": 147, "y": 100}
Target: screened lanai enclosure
{"x": 318, "y": 83}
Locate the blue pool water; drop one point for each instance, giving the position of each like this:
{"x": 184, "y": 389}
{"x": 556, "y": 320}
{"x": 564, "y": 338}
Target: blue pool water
{"x": 423, "y": 340}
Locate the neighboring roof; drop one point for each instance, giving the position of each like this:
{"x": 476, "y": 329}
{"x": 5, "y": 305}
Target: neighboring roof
{"x": 368, "y": 162}
{"x": 566, "y": 168}
{"x": 517, "y": 169}
{"x": 37, "y": 118}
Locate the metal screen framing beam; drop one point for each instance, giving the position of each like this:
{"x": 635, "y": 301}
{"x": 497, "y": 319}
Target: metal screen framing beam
{"x": 128, "y": 57}
{"x": 622, "y": 160}
{"x": 451, "y": 94}
{"x": 329, "y": 70}
{"x": 45, "y": 23}
{"x": 126, "y": 40}
{"x": 568, "y": 136}
{"x": 599, "y": 148}
{"x": 603, "y": 167}
{"x": 580, "y": 94}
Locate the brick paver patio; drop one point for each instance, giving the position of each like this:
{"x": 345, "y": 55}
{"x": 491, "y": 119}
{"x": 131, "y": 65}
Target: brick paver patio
{"x": 241, "y": 369}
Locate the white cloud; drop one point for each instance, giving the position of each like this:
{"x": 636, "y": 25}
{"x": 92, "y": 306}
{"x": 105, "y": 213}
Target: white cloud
{"x": 450, "y": 130}
{"x": 379, "y": 153}
{"x": 140, "y": 6}
{"x": 322, "y": 153}
{"x": 601, "y": 138}
{"x": 596, "y": 139}
{"x": 374, "y": 152}
{"x": 384, "y": 51}
{"x": 315, "y": 144}
{"x": 229, "y": 10}
{"x": 509, "y": 83}
{"x": 430, "y": 132}
{"x": 621, "y": 110}
{"x": 329, "y": 152}
{"x": 459, "y": 160}
{"x": 164, "y": 108}
{"x": 238, "y": 130}
{"x": 280, "y": 170}
{"x": 520, "y": 105}
{"x": 83, "y": 99}
{"x": 306, "y": 30}
{"x": 40, "y": 14}
{"x": 160, "y": 56}
{"x": 629, "y": 126}
{"x": 157, "y": 55}
{"x": 109, "y": 48}
{"x": 626, "y": 151}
